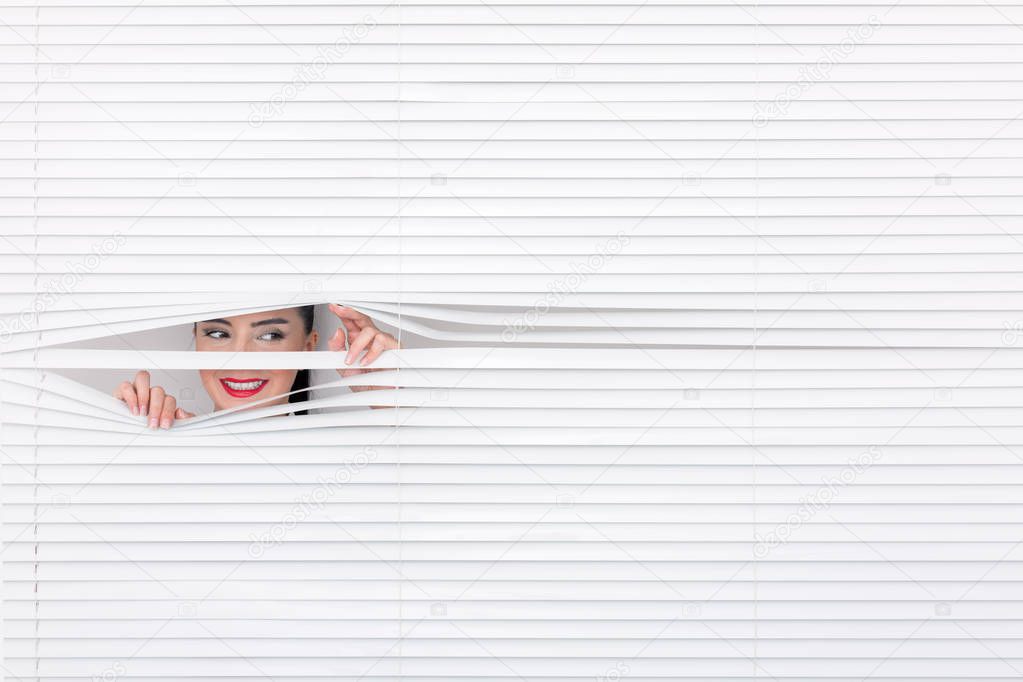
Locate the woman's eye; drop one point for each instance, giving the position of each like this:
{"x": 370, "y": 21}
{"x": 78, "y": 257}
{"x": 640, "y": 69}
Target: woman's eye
{"x": 216, "y": 334}
{"x": 272, "y": 335}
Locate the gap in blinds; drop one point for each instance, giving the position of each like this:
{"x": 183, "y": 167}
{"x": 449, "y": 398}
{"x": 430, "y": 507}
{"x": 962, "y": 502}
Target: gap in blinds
{"x": 709, "y": 326}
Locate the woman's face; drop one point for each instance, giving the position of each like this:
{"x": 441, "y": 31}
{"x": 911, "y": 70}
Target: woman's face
{"x": 275, "y": 330}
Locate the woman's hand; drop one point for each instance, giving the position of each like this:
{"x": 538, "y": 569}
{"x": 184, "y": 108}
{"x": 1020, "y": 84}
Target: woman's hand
{"x": 162, "y": 409}
{"x": 362, "y": 336}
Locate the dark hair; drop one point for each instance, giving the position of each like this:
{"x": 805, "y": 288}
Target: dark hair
{"x": 302, "y": 379}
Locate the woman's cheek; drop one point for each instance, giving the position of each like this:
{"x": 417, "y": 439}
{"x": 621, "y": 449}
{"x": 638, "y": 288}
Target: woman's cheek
{"x": 281, "y": 381}
{"x": 209, "y": 382}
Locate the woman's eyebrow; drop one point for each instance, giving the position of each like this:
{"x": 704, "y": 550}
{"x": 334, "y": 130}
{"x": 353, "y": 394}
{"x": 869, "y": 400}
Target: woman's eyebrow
{"x": 272, "y": 320}
{"x": 218, "y": 320}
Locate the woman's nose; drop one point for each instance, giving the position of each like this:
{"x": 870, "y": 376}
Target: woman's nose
{"x": 241, "y": 345}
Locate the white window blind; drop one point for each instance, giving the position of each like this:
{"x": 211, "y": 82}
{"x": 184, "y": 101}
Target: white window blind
{"x": 710, "y": 315}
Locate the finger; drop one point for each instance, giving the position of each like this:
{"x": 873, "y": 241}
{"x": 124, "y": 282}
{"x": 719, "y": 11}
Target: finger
{"x": 345, "y": 373}
{"x": 352, "y": 319}
{"x": 170, "y": 405}
{"x": 370, "y": 387}
{"x": 350, "y": 326}
{"x": 156, "y": 396}
{"x": 142, "y": 391}
{"x": 338, "y": 341}
{"x": 126, "y": 392}
{"x": 380, "y": 343}
{"x": 182, "y": 413}
{"x": 361, "y": 342}
{"x": 351, "y": 314}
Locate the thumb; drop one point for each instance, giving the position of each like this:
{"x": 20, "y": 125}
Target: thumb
{"x": 182, "y": 414}
{"x": 336, "y": 342}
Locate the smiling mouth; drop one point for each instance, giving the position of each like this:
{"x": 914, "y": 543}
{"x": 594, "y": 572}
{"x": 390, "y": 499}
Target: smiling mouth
{"x": 243, "y": 388}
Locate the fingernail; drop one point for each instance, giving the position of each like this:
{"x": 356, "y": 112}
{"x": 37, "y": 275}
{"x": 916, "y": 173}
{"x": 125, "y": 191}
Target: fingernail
{"x": 145, "y": 411}
{"x": 348, "y": 359}
{"x": 165, "y": 424}
{"x": 135, "y": 410}
{"x": 153, "y": 423}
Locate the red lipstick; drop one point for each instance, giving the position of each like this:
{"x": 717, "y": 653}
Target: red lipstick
{"x": 243, "y": 388}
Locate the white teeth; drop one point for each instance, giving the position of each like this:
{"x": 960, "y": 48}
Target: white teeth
{"x": 243, "y": 385}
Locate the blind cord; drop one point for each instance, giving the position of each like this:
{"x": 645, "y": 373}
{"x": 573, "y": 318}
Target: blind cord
{"x": 753, "y": 377}
{"x": 36, "y": 304}
{"x": 397, "y": 409}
